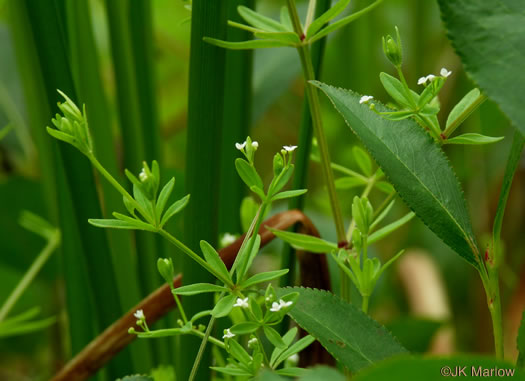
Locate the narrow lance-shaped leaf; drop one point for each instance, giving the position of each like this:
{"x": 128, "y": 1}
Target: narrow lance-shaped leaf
{"x": 356, "y": 341}
{"x": 305, "y": 242}
{"x": 473, "y": 139}
{"x": 417, "y": 168}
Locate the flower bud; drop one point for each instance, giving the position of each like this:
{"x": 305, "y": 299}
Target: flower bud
{"x": 393, "y": 49}
{"x": 165, "y": 267}
{"x": 278, "y": 164}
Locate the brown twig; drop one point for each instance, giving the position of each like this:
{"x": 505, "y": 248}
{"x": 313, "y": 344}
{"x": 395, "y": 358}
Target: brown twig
{"x": 95, "y": 355}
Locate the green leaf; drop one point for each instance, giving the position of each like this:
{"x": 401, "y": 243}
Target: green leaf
{"x": 289, "y": 194}
{"x": 305, "y": 242}
{"x": 430, "y": 92}
{"x": 297, "y": 347}
{"x": 363, "y": 160}
{"x": 273, "y": 336}
{"x": 288, "y": 340}
{"x": 436, "y": 369}
{"x": 263, "y": 277}
{"x": 164, "y": 196}
{"x": 260, "y": 21}
{"x": 349, "y": 182}
{"x": 213, "y": 259}
{"x": 19, "y": 325}
{"x": 464, "y": 108}
{"x": 224, "y": 306}
{"x": 244, "y": 328}
{"x": 285, "y": 18}
{"x": 119, "y": 224}
{"x": 136, "y": 377}
{"x": 175, "y": 208}
{"x": 323, "y": 373}
{"x": 356, "y": 341}
{"x": 396, "y": 90}
{"x": 238, "y": 352}
{"x": 390, "y": 228}
{"x": 280, "y": 181}
{"x": 417, "y": 168}
{"x": 288, "y": 38}
{"x": 489, "y": 37}
{"x": 330, "y": 14}
{"x": 242, "y": 45}
{"x": 139, "y": 224}
{"x": 248, "y": 173}
{"x": 520, "y": 363}
{"x": 231, "y": 370}
{"x": 292, "y": 372}
{"x": 385, "y": 187}
{"x": 472, "y": 138}
{"x": 198, "y": 288}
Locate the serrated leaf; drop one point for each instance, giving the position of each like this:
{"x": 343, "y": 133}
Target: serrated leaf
{"x": 330, "y": 14}
{"x": 175, "y": 208}
{"x": 472, "y": 139}
{"x": 489, "y": 36}
{"x": 198, "y": 288}
{"x": 436, "y": 369}
{"x": 164, "y": 196}
{"x": 224, "y": 306}
{"x": 263, "y": 277}
{"x": 464, "y": 108}
{"x": 323, "y": 373}
{"x": 289, "y": 194}
{"x": 243, "y": 45}
{"x": 248, "y": 173}
{"x": 212, "y": 257}
{"x": 417, "y": 168}
{"x": 260, "y": 21}
{"x": 363, "y": 160}
{"x": 118, "y": 224}
{"x": 356, "y": 340}
{"x": 305, "y": 242}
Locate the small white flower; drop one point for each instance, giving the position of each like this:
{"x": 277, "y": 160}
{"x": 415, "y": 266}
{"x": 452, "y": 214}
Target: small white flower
{"x": 430, "y": 77}
{"x": 444, "y": 72}
{"x": 240, "y": 146}
{"x": 255, "y": 145}
{"x": 227, "y": 239}
{"x": 228, "y": 334}
{"x": 252, "y": 341}
{"x": 294, "y": 359}
{"x": 289, "y": 148}
{"x": 139, "y": 314}
{"x": 284, "y": 304}
{"x": 243, "y": 303}
{"x": 365, "y": 99}
{"x": 422, "y": 81}
{"x": 275, "y": 307}
{"x": 143, "y": 175}
{"x": 268, "y": 298}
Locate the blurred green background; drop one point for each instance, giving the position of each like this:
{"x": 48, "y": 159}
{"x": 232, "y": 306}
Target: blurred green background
{"x": 353, "y": 59}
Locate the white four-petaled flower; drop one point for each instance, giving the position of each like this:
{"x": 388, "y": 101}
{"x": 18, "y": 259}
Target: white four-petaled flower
{"x": 365, "y": 99}
{"x": 282, "y": 304}
{"x": 424, "y": 80}
{"x": 444, "y": 72}
{"x": 228, "y": 334}
{"x": 139, "y": 314}
{"x": 243, "y": 303}
{"x": 289, "y": 148}
{"x": 240, "y": 146}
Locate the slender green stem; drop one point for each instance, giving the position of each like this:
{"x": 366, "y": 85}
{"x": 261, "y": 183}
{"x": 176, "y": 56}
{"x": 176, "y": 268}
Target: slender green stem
{"x": 197, "y": 258}
{"x": 201, "y": 349}
{"x": 177, "y": 331}
{"x": 31, "y": 273}
{"x": 405, "y": 85}
{"x": 494, "y": 304}
{"x": 315, "y": 109}
{"x": 179, "y": 306}
{"x": 364, "y": 303}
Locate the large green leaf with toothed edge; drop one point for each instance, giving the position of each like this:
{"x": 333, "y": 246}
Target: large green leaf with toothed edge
{"x": 489, "y": 37}
{"x": 351, "y": 336}
{"x": 416, "y": 167}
